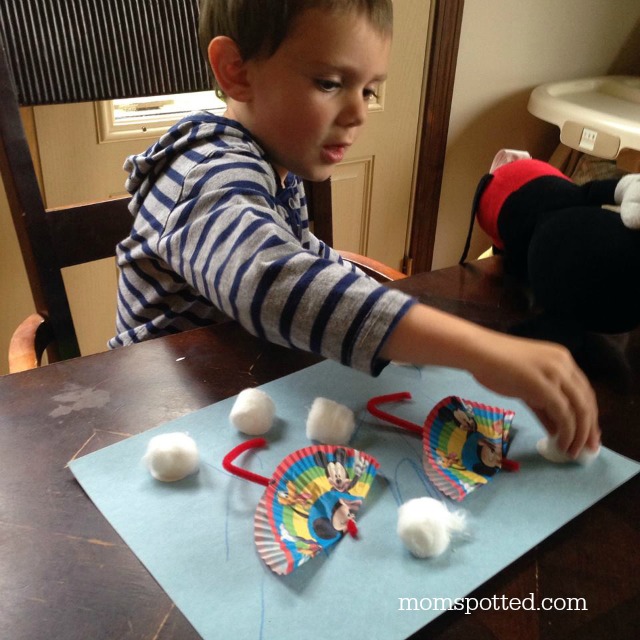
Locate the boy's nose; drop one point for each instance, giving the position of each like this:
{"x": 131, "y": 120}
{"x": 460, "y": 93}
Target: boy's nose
{"x": 354, "y": 112}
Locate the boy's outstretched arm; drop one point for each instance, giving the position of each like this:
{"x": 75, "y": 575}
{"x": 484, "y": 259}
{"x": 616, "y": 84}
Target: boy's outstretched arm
{"x": 542, "y": 374}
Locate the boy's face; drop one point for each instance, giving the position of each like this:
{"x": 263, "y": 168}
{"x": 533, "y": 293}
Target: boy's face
{"x": 310, "y": 99}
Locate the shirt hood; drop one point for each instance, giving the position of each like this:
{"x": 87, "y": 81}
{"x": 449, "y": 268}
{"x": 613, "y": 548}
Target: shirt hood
{"x": 196, "y": 128}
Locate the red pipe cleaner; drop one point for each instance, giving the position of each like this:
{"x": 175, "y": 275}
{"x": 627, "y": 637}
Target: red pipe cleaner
{"x": 227, "y": 461}
{"x": 372, "y": 407}
{"x": 510, "y": 465}
{"x": 352, "y": 528}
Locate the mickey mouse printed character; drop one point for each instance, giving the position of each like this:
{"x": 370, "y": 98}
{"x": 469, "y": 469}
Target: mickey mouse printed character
{"x": 336, "y": 470}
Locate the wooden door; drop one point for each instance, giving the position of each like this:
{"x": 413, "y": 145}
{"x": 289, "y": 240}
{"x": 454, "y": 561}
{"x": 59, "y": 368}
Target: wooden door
{"x": 372, "y": 189}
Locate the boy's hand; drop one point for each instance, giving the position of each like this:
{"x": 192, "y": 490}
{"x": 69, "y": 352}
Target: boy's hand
{"x": 547, "y": 378}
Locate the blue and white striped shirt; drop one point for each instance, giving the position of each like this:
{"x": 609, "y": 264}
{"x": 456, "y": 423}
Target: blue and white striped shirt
{"x": 216, "y": 235}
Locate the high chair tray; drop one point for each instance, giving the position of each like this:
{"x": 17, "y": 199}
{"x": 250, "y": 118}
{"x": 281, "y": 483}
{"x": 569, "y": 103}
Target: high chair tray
{"x": 599, "y": 116}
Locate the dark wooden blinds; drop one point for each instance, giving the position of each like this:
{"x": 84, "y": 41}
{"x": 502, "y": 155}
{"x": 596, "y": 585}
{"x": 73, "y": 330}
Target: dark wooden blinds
{"x": 77, "y": 50}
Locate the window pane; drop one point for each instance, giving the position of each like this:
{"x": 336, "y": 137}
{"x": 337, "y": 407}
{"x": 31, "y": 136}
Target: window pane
{"x": 161, "y": 107}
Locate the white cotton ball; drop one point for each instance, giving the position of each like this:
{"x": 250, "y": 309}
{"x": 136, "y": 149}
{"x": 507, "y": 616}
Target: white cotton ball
{"x": 425, "y": 526}
{"x": 548, "y": 449}
{"x": 330, "y": 422}
{"x": 171, "y": 456}
{"x": 253, "y": 412}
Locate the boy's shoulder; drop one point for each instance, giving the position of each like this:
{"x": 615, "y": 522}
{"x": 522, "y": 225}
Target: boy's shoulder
{"x": 200, "y": 140}
{"x": 214, "y": 143}
{"x": 201, "y": 128}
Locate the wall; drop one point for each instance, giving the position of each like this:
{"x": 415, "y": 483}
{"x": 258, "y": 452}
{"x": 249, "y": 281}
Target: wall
{"x": 508, "y": 47}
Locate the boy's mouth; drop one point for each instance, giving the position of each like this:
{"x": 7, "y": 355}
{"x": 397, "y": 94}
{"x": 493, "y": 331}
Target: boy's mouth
{"x": 334, "y": 153}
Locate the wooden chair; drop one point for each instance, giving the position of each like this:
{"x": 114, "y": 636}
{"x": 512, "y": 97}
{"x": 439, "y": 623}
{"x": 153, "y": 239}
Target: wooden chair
{"x": 51, "y": 239}
{"x": 321, "y": 217}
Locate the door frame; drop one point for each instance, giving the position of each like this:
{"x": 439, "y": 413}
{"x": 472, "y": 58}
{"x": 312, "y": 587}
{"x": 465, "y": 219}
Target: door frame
{"x": 432, "y": 145}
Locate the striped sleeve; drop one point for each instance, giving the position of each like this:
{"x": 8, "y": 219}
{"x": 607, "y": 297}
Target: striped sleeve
{"x": 231, "y": 242}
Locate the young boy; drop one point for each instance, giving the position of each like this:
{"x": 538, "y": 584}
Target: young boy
{"x": 221, "y": 225}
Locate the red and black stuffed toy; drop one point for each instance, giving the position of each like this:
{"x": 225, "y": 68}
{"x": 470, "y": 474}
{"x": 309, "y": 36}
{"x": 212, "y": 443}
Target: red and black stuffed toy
{"x": 581, "y": 260}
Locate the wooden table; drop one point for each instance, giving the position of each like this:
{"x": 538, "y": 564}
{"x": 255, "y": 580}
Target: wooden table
{"x": 65, "y": 574}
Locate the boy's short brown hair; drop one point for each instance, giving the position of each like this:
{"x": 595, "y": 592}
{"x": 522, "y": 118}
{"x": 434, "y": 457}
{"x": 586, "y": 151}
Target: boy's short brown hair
{"x": 258, "y": 27}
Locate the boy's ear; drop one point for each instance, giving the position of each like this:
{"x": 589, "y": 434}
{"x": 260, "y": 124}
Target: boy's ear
{"x": 229, "y": 68}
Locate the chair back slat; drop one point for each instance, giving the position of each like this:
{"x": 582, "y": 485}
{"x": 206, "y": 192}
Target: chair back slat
{"x": 318, "y": 195}
{"x": 88, "y": 232}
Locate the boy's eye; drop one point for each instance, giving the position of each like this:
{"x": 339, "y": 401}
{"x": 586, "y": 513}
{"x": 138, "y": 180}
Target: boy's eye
{"x": 370, "y": 95}
{"x": 327, "y": 85}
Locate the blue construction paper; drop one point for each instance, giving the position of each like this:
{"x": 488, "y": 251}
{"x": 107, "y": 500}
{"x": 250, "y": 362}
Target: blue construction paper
{"x": 196, "y": 536}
